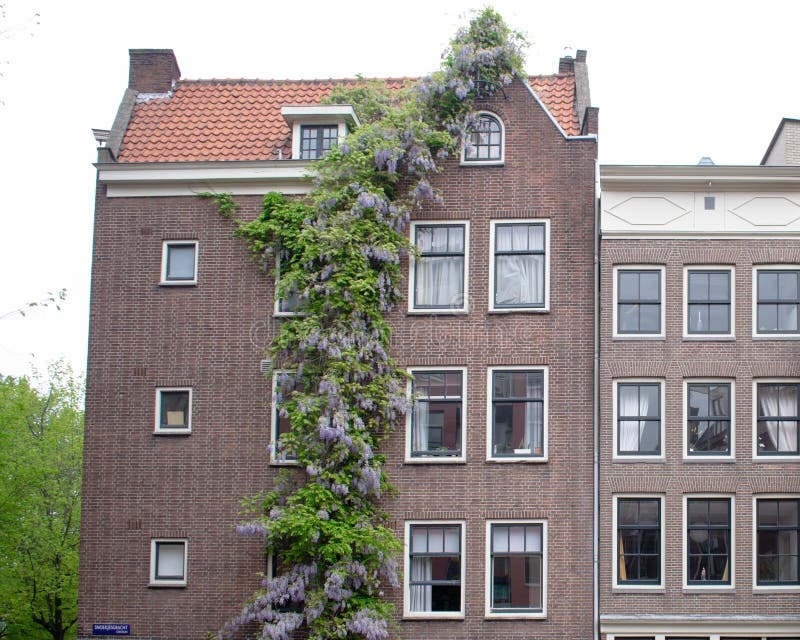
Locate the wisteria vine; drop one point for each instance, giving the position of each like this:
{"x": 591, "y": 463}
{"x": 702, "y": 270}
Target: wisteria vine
{"x": 339, "y": 253}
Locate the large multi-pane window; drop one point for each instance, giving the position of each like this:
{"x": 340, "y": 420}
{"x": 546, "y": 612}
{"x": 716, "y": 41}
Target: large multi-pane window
{"x": 440, "y": 266}
{"x": 639, "y": 541}
{"x": 639, "y": 418}
{"x": 639, "y": 304}
{"x": 485, "y": 142}
{"x": 315, "y": 140}
{"x": 516, "y": 567}
{"x": 708, "y": 541}
{"x": 519, "y": 265}
{"x": 777, "y": 552}
{"x": 777, "y": 419}
{"x": 708, "y": 418}
{"x": 437, "y": 417}
{"x": 517, "y": 413}
{"x": 434, "y": 573}
{"x": 708, "y": 302}
{"x": 778, "y": 301}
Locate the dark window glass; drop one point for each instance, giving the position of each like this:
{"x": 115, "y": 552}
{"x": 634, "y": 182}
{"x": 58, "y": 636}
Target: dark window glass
{"x": 180, "y": 261}
{"x": 315, "y": 140}
{"x": 709, "y": 419}
{"x": 518, "y": 413}
{"x": 485, "y": 140}
{"x": 709, "y": 302}
{"x": 778, "y": 301}
{"x": 290, "y": 302}
{"x": 519, "y": 265}
{"x": 436, "y": 418}
{"x": 639, "y": 301}
{"x": 778, "y": 529}
{"x": 708, "y": 540}
{"x": 434, "y": 578}
{"x": 639, "y": 418}
{"x": 439, "y": 267}
{"x": 174, "y": 412}
{"x": 516, "y": 566}
{"x": 639, "y": 540}
{"x": 286, "y": 384}
{"x": 777, "y": 419}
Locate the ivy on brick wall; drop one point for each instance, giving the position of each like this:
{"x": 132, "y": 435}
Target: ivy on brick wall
{"x": 339, "y": 254}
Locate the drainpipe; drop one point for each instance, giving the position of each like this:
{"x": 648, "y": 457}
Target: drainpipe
{"x": 596, "y": 416}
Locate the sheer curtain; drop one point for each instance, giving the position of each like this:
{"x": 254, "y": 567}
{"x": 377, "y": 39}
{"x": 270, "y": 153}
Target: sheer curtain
{"x": 519, "y": 278}
{"x": 533, "y": 412}
{"x": 631, "y": 403}
{"x": 421, "y": 595}
{"x": 419, "y": 432}
{"x": 781, "y": 401}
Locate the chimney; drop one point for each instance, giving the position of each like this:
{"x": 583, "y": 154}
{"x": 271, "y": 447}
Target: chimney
{"x": 583, "y": 99}
{"x": 566, "y": 64}
{"x": 152, "y": 70}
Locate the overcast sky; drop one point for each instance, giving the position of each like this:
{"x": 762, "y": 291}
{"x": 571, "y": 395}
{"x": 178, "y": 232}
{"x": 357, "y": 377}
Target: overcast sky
{"x": 674, "y": 81}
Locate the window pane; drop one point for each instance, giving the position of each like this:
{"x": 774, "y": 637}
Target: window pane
{"x": 533, "y": 539}
{"x": 649, "y": 288}
{"x": 767, "y": 317}
{"x": 649, "y": 400}
{"x": 698, "y": 400}
{"x": 628, "y": 512}
{"x": 174, "y": 409}
{"x": 628, "y": 285}
{"x": 767, "y": 286}
{"x": 699, "y": 320}
{"x": 440, "y": 240}
{"x": 435, "y": 540}
{"x": 718, "y": 511}
{"x": 719, "y": 287}
{"x": 787, "y": 317}
{"x": 440, "y": 282}
{"x": 419, "y": 539}
{"x": 424, "y": 239}
{"x": 787, "y": 286}
{"x": 650, "y": 318}
{"x": 455, "y": 239}
{"x": 516, "y": 539}
{"x": 628, "y": 317}
{"x": 499, "y": 539}
{"x": 787, "y": 513}
{"x": 536, "y": 237}
{"x": 698, "y": 286}
{"x": 697, "y": 512}
{"x": 169, "y": 560}
{"x": 452, "y": 539}
{"x": 503, "y": 237}
{"x": 767, "y": 513}
{"x": 180, "y": 262}
{"x": 519, "y": 279}
{"x": 648, "y": 512}
{"x": 719, "y": 318}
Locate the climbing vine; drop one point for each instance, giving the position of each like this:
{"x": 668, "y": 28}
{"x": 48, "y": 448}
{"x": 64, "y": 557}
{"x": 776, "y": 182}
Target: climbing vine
{"x": 339, "y": 253}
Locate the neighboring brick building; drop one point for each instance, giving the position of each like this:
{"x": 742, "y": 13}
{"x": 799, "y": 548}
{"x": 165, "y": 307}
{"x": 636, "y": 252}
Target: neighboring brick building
{"x": 784, "y": 148}
{"x": 699, "y": 402}
{"x": 499, "y": 337}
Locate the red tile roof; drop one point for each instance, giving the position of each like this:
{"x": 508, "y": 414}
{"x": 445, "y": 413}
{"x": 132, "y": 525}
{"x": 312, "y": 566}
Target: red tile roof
{"x": 241, "y": 119}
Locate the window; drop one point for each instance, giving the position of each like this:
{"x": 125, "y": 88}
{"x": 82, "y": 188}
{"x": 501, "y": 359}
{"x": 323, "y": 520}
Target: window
{"x": 519, "y": 265}
{"x": 179, "y": 262}
{"x": 173, "y": 411}
{"x": 168, "y": 563}
{"x": 485, "y": 142}
{"x": 777, "y": 419}
{"x": 639, "y": 418}
{"x": 638, "y": 307}
{"x": 288, "y": 304}
{"x": 778, "y": 299}
{"x": 777, "y": 552}
{"x": 435, "y": 570}
{"x": 708, "y": 541}
{"x": 516, "y": 568}
{"x": 437, "y": 419}
{"x": 440, "y": 269}
{"x": 708, "y": 419}
{"x": 517, "y": 413}
{"x": 284, "y": 384}
{"x": 315, "y": 140}
{"x": 708, "y": 302}
{"x": 639, "y": 550}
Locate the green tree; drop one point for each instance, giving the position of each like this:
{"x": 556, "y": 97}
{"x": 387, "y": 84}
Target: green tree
{"x": 41, "y": 438}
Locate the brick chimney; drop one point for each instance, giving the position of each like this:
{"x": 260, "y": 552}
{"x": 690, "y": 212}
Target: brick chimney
{"x": 152, "y": 70}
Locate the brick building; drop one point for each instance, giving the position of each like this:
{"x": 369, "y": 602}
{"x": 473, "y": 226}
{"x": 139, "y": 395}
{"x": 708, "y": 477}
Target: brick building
{"x": 699, "y": 389}
{"x": 495, "y": 463}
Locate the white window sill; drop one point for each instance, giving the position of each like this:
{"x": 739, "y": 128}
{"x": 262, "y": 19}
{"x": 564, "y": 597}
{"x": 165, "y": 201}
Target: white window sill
{"x": 646, "y": 459}
{"x": 172, "y": 432}
{"x": 790, "y": 458}
{"x": 483, "y": 163}
{"x": 512, "y": 615}
{"x": 438, "y": 312}
{"x": 447, "y": 615}
{"x": 436, "y": 460}
{"x": 709, "y": 459}
{"x": 709, "y": 338}
{"x": 776, "y": 589}
{"x": 284, "y": 463}
{"x": 519, "y": 459}
{"x": 167, "y": 583}
{"x": 716, "y": 588}
{"x": 630, "y": 588}
{"x": 776, "y": 336}
{"x": 178, "y": 283}
{"x": 643, "y": 337}
{"x": 503, "y": 311}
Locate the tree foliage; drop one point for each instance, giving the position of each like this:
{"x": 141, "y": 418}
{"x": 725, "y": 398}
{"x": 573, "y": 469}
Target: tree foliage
{"x": 340, "y": 251}
{"x": 41, "y": 439}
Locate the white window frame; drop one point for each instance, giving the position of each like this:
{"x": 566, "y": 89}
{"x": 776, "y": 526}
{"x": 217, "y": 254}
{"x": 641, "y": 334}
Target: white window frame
{"x": 177, "y": 430}
{"x": 769, "y": 336}
{"x": 732, "y": 304}
{"x": 768, "y": 588}
{"x": 497, "y": 161}
{"x": 515, "y": 615}
{"x": 615, "y": 284}
{"x": 273, "y": 429}
{"x": 165, "y": 245}
{"x": 615, "y": 584}
{"x": 685, "y": 548}
{"x": 526, "y": 309}
{"x": 162, "y": 582}
{"x": 464, "y": 308}
{"x": 439, "y": 459}
{"x": 638, "y": 457}
{"x": 754, "y": 433}
{"x": 427, "y": 615}
{"x": 277, "y": 305}
{"x": 545, "y": 369}
{"x": 729, "y": 457}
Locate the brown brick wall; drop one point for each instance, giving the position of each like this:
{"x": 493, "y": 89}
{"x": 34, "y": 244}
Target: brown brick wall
{"x": 211, "y": 336}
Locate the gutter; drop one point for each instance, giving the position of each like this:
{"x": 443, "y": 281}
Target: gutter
{"x": 596, "y": 418}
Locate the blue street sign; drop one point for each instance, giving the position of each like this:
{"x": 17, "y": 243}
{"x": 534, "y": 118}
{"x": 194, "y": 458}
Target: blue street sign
{"x": 111, "y": 629}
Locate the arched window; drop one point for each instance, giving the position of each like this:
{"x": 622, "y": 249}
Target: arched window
{"x": 485, "y": 142}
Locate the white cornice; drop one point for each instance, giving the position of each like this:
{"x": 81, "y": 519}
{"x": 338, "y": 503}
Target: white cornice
{"x": 190, "y": 178}
{"x": 314, "y": 112}
{"x": 667, "y": 177}
{"x": 699, "y": 624}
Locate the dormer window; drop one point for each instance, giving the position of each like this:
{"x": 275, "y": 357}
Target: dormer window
{"x": 316, "y": 139}
{"x": 485, "y": 144}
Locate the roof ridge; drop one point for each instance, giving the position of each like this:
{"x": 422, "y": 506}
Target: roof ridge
{"x": 290, "y": 80}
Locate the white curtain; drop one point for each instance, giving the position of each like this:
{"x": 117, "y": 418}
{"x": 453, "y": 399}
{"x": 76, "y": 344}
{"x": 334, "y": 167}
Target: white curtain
{"x": 631, "y": 403}
{"x": 419, "y": 441}
{"x": 784, "y": 404}
{"x": 533, "y": 412}
{"x": 520, "y": 278}
{"x": 421, "y": 595}
{"x": 440, "y": 281}
{"x": 787, "y": 548}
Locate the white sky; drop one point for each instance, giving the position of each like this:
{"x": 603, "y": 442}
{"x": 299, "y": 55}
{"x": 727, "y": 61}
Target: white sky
{"x": 674, "y": 81}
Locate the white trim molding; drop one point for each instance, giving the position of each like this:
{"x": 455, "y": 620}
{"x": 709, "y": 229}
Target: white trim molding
{"x": 713, "y": 627}
{"x": 165, "y": 247}
{"x": 709, "y": 457}
{"x": 178, "y": 430}
{"x": 171, "y": 581}
{"x": 770, "y": 336}
{"x": 461, "y": 305}
{"x": 616, "y": 586}
{"x": 638, "y": 457}
{"x": 769, "y": 588}
{"x": 487, "y": 162}
{"x": 731, "y": 271}
{"x": 621, "y": 268}
{"x": 545, "y": 307}
{"x": 793, "y": 457}
{"x": 714, "y": 586}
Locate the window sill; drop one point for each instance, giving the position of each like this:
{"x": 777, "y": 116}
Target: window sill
{"x": 634, "y": 338}
{"x": 776, "y": 336}
{"x": 709, "y": 459}
{"x": 776, "y": 589}
{"x": 519, "y": 310}
{"x": 172, "y": 432}
{"x": 434, "y": 616}
{"x": 483, "y": 163}
{"x": 515, "y": 616}
{"x": 790, "y": 458}
{"x": 437, "y": 312}
{"x": 709, "y": 338}
{"x": 178, "y": 283}
{"x": 717, "y": 588}
{"x": 284, "y": 463}
{"x": 523, "y": 460}
{"x": 629, "y": 588}
{"x": 288, "y": 314}
{"x": 436, "y": 460}
{"x": 167, "y": 583}
{"x": 646, "y": 460}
